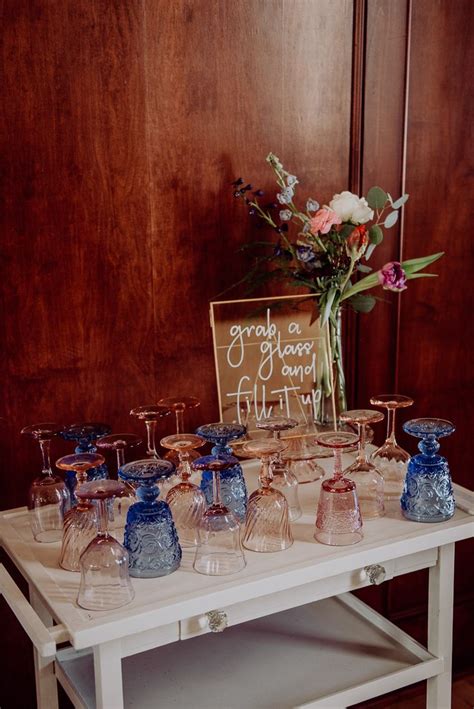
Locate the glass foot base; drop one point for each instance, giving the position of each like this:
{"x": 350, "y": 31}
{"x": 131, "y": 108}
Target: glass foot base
{"x": 416, "y": 518}
{"x": 219, "y": 564}
{"x": 49, "y": 536}
{"x": 337, "y": 540}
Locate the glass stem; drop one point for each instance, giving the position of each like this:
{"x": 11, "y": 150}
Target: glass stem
{"x": 102, "y": 516}
{"x": 179, "y": 420}
{"x": 45, "y": 446}
{"x": 265, "y": 474}
{"x": 337, "y": 463}
{"x": 391, "y": 425}
{"x": 150, "y": 434}
{"x": 216, "y": 488}
{"x": 184, "y": 467}
{"x": 120, "y": 458}
{"x": 361, "y": 456}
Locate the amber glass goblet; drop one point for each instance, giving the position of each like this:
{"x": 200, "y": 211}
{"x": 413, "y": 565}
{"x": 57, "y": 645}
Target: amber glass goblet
{"x": 150, "y": 414}
{"x": 186, "y": 500}
{"x": 105, "y": 580}
{"x": 48, "y": 496}
{"x": 391, "y": 460}
{"x": 267, "y": 523}
{"x": 338, "y": 518}
{"x": 80, "y": 521}
{"x": 180, "y": 404}
{"x": 283, "y": 479}
{"x": 219, "y": 552}
{"x": 369, "y": 481}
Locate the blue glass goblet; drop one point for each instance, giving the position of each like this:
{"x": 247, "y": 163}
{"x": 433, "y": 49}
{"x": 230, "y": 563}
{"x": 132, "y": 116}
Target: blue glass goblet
{"x": 233, "y": 488}
{"x": 150, "y": 534}
{"x": 427, "y": 494}
{"x": 85, "y": 434}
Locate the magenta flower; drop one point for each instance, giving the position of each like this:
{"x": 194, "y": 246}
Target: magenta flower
{"x": 392, "y": 277}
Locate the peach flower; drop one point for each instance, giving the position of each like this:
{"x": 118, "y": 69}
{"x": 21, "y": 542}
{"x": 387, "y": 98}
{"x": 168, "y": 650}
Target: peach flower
{"x": 323, "y": 220}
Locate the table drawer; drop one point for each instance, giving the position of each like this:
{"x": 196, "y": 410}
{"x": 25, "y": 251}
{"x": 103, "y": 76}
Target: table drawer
{"x": 216, "y": 620}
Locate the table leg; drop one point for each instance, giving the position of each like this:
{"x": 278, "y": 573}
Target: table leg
{"x": 108, "y": 675}
{"x": 440, "y": 626}
{"x": 46, "y": 684}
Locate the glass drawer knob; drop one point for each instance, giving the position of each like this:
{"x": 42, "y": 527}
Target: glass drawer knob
{"x": 217, "y": 621}
{"x": 375, "y": 573}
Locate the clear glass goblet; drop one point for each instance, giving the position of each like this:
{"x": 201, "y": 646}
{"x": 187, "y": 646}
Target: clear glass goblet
{"x": 186, "y": 500}
{"x": 180, "y": 404}
{"x": 369, "y": 480}
{"x": 150, "y": 534}
{"x": 391, "y": 460}
{"x": 427, "y": 493}
{"x": 118, "y": 442}
{"x": 283, "y": 478}
{"x": 150, "y": 414}
{"x": 232, "y": 481}
{"x": 219, "y": 552}
{"x": 48, "y": 496}
{"x": 267, "y": 524}
{"x": 338, "y": 518}
{"x": 80, "y": 521}
{"x": 105, "y": 580}
{"x": 302, "y": 453}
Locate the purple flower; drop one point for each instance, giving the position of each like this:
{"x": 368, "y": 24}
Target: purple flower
{"x": 392, "y": 277}
{"x": 305, "y": 254}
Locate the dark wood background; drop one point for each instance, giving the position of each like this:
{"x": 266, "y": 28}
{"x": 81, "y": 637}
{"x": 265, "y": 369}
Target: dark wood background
{"x": 123, "y": 125}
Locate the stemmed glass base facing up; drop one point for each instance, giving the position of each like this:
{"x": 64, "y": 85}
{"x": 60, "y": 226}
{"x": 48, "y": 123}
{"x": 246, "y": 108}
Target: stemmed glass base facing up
{"x": 338, "y": 518}
{"x": 219, "y": 552}
{"x": 85, "y": 435}
{"x": 150, "y": 414}
{"x": 180, "y": 404}
{"x": 118, "y": 442}
{"x": 105, "y": 581}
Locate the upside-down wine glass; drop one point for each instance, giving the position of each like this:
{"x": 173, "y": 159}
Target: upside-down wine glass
{"x": 232, "y": 481}
{"x": 428, "y": 494}
{"x": 391, "y": 460}
{"x": 85, "y": 434}
{"x": 338, "y": 518}
{"x": 282, "y": 477}
{"x": 105, "y": 580}
{"x": 186, "y": 500}
{"x": 150, "y": 534}
{"x": 118, "y": 442}
{"x": 48, "y": 496}
{"x": 301, "y": 454}
{"x": 369, "y": 481}
{"x": 267, "y": 524}
{"x": 219, "y": 552}
{"x": 180, "y": 404}
{"x": 150, "y": 414}
{"x": 80, "y": 521}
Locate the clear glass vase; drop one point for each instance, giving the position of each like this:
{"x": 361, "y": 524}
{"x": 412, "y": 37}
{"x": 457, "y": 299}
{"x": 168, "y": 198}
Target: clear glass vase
{"x": 330, "y": 397}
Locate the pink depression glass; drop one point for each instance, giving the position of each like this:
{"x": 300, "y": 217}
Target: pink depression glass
{"x": 105, "y": 580}
{"x": 338, "y": 518}
{"x": 186, "y": 500}
{"x": 267, "y": 522}
{"x": 180, "y": 404}
{"x": 369, "y": 481}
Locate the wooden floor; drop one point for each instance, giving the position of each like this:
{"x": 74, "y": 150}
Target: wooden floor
{"x": 463, "y": 697}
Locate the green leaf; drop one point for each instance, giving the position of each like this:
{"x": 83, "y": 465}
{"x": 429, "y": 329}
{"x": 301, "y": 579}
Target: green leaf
{"x": 362, "y": 303}
{"x": 364, "y": 269}
{"x": 370, "y": 251}
{"x": 375, "y": 234}
{"x": 328, "y": 305}
{"x": 376, "y": 198}
{"x": 391, "y": 219}
{"x": 417, "y": 264}
{"x": 411, "y": 276}
{"x": 346, "y": 230}
{"x": 399, "y": 202}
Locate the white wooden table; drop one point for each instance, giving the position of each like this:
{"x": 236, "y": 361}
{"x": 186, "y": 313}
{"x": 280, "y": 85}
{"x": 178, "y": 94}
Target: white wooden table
{"x": 296, "y": 637}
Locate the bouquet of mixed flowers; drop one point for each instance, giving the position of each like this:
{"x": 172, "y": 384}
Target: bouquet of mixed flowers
{"x": 329, "y": 244}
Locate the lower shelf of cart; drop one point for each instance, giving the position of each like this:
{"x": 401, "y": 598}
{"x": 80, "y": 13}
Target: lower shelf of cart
{"x": 332, "y": 653}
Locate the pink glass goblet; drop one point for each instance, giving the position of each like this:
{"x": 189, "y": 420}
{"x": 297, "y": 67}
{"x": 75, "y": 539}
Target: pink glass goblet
{"x": 338, "y": 518}
{"x": 150, "y": 414}
{"x": 105, "y": 580}
{"x": 369, "y": 481}
{"x": 186, "y": 500}
{"x": 48, "y": 496}
{"x": 179, "y": 405}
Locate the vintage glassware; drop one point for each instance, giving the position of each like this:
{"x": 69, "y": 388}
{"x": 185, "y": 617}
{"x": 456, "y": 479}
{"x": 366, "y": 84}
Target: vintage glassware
{"x": 150, "y": 534}
{"x": 390, "y": 459}
{"x": 267, "y": 524}
{"x": 180, "y": 404}
{"x": 150, "y": 414}
{"x": 282, "y": 477}
{"x": 369, "y": 481}
{"x": 219, "y": 552}
{"x": 80, "y": 521}
{"x": 85, "y": 434}
{"x": 105, "y": 581}
{"x": 118, "y": 442}
{"x": 186, "y": 500}
{"x": 302, "y": 453}
{"x": 48, "y": 496}
{"x": 338, "y": 518}
{"x": 427, "y": 493}
{"x": 233, "y": 488}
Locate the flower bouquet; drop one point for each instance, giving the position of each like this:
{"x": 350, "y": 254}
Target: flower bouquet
{"x": 326, "y": 250}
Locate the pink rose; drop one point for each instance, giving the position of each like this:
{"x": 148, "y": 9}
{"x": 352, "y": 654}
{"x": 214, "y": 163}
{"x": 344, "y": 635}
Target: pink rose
{"x": 323, "y": 220}
{"x": 392, "y": 277}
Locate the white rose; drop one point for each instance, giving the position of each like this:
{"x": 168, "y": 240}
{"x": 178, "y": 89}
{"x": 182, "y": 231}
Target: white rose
{"x": 351, "y": 208}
